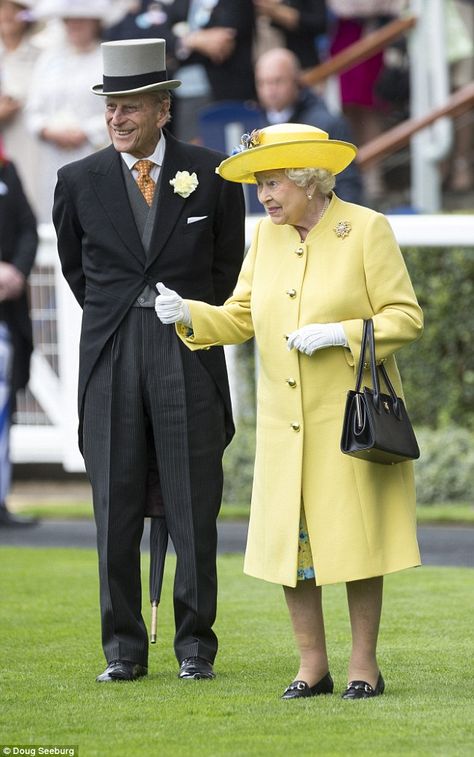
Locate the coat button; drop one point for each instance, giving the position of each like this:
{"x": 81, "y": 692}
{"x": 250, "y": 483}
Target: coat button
{"x": 295, "y": 426}
{"x": 291, "y": 293}
{"x": 291, "y": 382}
{"x": 299, "y": 251}
{"x": 141, "y": 300}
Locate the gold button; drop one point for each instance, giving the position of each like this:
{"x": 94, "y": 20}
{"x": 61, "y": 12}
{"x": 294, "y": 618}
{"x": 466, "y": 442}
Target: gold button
{"x": 299, "y": 251}
{"x": 295, "y": 426}
{"x": 291, "y": 382}
{"x": 291, "y": 293}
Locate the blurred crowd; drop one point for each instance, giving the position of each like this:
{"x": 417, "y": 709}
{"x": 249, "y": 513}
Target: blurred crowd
{"x": 251, "y": 51}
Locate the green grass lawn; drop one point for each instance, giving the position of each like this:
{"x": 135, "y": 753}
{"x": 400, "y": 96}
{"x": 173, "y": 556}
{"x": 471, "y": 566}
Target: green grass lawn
{"x": 74, "y": 509}
{"x": 50, "y": 640}
{"x": 449, "y": 512}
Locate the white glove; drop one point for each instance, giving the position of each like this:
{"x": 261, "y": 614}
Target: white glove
{"x": 170, "y": 307}
{"x": 316, "y": 336}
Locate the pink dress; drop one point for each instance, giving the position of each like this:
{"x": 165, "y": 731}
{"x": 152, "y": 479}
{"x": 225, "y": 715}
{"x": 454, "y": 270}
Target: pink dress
{"x": 357, "y": 84}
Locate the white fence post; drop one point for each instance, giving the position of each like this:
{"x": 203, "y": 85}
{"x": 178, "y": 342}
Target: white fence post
{"x": 69, "y": 329}
{"x": 429, "y": 84}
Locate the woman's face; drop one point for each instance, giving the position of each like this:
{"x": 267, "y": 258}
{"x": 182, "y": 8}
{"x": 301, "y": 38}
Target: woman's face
{"x": 82, "y": 33}
{"x": 11, "y": 22}
{"x": 282, "y": 199}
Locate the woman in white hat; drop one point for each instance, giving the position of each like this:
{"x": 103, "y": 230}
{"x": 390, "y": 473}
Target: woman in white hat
{"x": 316, "y": 268}
{"x": 18, "y": 55}
{"x": 61, "y": 112}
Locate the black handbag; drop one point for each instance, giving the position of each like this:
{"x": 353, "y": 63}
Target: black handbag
{"x": 376, "y": 426}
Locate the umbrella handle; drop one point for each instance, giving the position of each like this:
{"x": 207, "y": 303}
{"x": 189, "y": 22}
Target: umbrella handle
{"x": 154, "y": 608}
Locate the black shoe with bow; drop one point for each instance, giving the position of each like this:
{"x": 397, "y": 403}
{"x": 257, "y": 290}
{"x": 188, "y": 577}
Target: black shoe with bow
{"x": 299, "y": 689}
{"x": 363, "y": 690}
{"x": 122, "y": 670}
{"x": 196, "y": 667}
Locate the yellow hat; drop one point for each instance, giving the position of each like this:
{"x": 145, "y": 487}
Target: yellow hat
{"x": 285, "y": 146}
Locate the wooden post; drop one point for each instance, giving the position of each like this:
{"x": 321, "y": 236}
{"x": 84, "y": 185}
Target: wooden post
{"x": 399, "y": 136}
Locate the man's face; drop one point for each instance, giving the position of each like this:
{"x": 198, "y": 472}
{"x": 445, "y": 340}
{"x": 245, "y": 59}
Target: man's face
{"x": 134, "y": 122}
{"x": 277, "y": 87}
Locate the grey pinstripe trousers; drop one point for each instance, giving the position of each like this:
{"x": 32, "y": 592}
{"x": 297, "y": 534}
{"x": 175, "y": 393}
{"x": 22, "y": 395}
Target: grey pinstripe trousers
{"x": 147, "y": 395}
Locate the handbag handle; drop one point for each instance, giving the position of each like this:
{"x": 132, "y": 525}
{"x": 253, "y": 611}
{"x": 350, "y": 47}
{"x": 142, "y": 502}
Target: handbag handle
{"x": 368, "y": 336}
{"x": 363, "y": 348}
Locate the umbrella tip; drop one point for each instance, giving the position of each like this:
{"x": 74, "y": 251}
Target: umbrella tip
{"x": 154, "y": 606}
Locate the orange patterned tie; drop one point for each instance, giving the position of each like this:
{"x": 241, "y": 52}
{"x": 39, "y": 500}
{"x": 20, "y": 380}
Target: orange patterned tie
{"x": 144, "y": 181}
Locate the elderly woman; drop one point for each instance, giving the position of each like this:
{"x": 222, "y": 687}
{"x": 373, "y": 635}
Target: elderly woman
{"x": 316, "y": 268}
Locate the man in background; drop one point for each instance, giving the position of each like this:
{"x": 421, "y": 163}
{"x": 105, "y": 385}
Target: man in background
{"x": 283, "y": 99}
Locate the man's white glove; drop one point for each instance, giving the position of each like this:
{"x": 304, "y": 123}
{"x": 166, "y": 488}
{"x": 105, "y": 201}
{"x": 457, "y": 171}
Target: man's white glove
{"x": 170, "y": 307}
{"x": 316, "y": 336}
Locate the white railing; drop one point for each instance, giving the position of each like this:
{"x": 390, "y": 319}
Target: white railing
{"x": 430, "y": 88}
{"x": 46, "y": 428}
{"x": 419, "y": 230}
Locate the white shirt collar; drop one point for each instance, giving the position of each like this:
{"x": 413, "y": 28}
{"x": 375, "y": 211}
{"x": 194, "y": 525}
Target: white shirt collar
{"x": 156, "y": 157}
{"x": 279, "y": 116}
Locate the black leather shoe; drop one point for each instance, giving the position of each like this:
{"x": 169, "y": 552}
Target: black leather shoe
{"x": 121, "y": 670}
{"x": 363, "y": 690}
{"x": 8, "y": 520}
{"x": 196, "y": 667}
{"x": 299, "y": 689}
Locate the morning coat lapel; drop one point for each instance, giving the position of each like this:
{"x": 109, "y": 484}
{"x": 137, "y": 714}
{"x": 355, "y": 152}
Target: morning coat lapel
{"x": 109, "y": 185}
{"x": 170, "y": 205}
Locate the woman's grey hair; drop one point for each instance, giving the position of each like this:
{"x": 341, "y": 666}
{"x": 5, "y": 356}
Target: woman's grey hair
{"x": 323, "y": 180}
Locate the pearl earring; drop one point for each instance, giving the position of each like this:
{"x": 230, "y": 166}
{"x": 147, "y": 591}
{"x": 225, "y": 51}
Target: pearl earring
{"x": 310, "y": 197}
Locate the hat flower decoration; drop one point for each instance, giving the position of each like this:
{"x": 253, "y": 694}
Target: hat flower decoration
{"x": 184, "y": 183}
{"x": 247, "y": 141}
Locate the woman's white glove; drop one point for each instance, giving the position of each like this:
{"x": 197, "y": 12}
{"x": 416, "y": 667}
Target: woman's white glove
{"x": 170, "y": 307}
{"x": 316, "y": 336}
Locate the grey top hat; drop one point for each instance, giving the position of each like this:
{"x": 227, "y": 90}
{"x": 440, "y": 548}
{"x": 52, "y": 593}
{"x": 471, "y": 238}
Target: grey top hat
{"x": 132, "y": 66}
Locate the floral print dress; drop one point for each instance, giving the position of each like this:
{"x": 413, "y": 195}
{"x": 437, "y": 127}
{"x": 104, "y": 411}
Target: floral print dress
{"x": 305, "y": 557}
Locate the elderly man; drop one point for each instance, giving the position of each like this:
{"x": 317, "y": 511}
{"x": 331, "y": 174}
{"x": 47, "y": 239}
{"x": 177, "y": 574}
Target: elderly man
{"x": 145, "y": 209}
{"x": 283, "y": 100}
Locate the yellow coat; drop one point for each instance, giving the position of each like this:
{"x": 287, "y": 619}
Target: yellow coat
{"x": 360, "y": 515}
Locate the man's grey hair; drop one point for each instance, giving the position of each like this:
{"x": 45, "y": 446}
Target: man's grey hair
{"x": 161, "y": 96}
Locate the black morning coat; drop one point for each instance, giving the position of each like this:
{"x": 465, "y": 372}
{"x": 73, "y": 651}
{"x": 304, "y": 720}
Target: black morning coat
{"x": 18, "y": 244}
{"x": 103, "y": 259}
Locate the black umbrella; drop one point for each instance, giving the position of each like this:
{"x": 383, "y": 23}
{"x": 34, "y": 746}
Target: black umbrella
{"x": 158, "y": 547}
{"x": 155, "y": 510}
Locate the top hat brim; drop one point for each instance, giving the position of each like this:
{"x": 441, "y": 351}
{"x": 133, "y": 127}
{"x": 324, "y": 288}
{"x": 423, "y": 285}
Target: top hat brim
{"x": 98, "y": 89}
{"x": 330, "y": 154}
